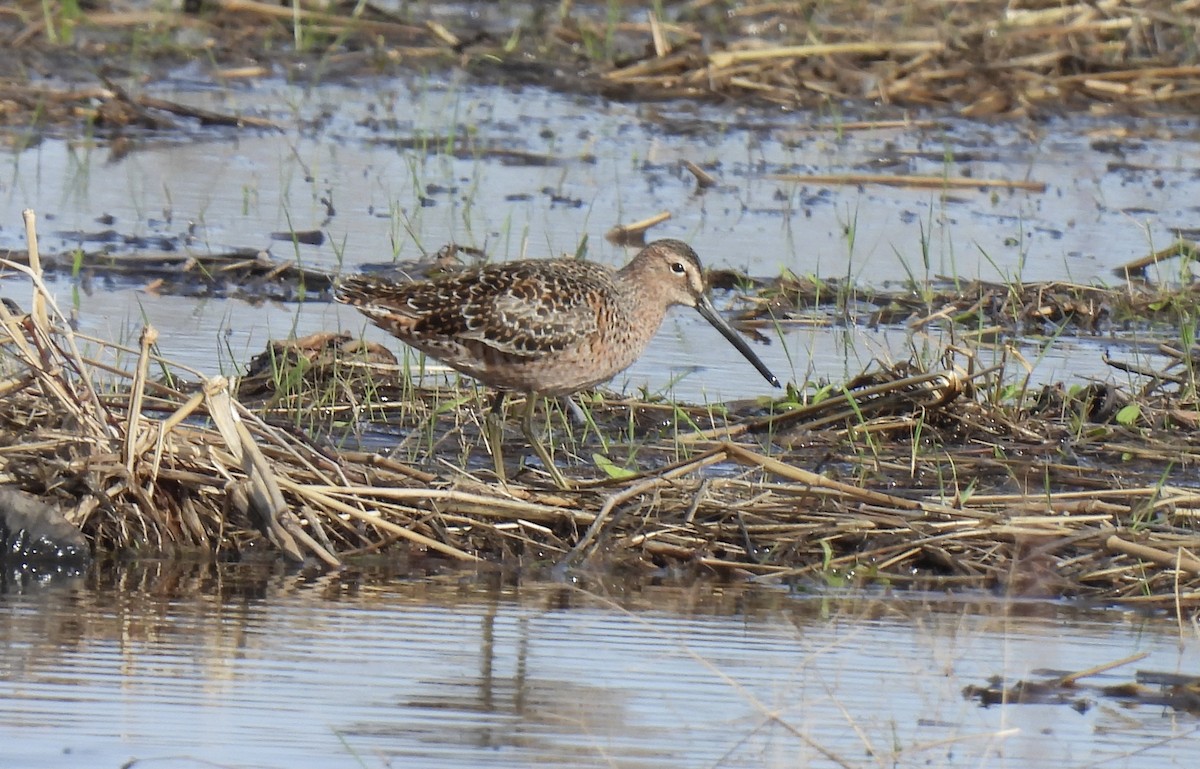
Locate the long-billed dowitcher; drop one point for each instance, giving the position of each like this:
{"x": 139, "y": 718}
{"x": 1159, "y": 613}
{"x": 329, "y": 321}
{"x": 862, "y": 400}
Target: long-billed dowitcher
{"x": 542, "y": 327}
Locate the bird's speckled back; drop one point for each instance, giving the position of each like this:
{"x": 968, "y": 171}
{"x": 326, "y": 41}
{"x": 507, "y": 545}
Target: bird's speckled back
{"x": 544, "y": 326}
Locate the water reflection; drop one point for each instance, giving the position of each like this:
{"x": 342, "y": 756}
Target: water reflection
{"x": 257, "y": 666}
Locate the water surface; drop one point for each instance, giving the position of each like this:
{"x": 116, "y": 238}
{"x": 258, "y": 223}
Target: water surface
{"x": 241, "y": 667}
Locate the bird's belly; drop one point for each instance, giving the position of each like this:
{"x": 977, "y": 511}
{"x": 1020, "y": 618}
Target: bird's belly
{"x": 552, "y": 373}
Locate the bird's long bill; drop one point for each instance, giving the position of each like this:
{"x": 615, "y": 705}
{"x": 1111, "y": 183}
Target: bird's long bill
{"x": 705, "y": 308}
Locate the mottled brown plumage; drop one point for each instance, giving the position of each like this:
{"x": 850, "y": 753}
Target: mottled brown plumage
{"x": 543, "y": 327}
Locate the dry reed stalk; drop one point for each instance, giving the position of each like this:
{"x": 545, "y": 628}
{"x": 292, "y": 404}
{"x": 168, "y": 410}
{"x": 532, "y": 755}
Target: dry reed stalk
{"x": 871, "y": 125}
{"x": 168, "y": 426}
{"x": 52, "y": 366}
{"x": 264, "y": 499}
{"x": 652, "y": 70}
{"x": 585, "y": 544}
{"x": 365, "y": 460}
{"x": 1141, "y": 73}
{"x": 910, "y": 180}
{"x": 441, "y": 33}
{"x": 1104, "y": 667}
{"x": 704, "y": 179}
{"x": 627, "y": 234}
{"x": 242, "y": 73}
{"x": 661, "y": 47}
{"x": 463, "y": 502}
{"x": 725, "y": 59}
{"x": 38, "y": 302}
{"x": 1178, "y": 560}
{"x": 807, "y": 478}
{"x": 148, "y": 338}
{"x": 1183, "y": 249}
{"x": 324, "y": 499}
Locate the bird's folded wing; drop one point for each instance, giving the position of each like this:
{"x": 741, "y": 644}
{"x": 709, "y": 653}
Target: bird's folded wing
{"x": 532, "y": 317}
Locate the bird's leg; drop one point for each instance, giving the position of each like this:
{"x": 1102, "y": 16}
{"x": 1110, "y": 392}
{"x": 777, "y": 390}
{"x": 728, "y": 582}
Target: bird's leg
{"x": 573, "y": 410}
{"x": 543, "y": 454}
{"x": 493, "y": 434}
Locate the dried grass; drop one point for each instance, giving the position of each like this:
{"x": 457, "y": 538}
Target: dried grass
{"x": 982, "y": 58}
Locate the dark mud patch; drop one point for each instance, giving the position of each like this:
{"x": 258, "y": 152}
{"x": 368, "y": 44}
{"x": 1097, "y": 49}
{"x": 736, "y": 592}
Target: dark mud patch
{"x": 37, "y": 541}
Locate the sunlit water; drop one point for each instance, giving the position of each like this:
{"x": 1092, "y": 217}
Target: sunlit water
{"x": 533, "y": 173}
{"x": 197, "y": 666}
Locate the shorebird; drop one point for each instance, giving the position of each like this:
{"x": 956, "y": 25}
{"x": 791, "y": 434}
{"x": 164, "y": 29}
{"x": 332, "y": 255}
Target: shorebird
{"x": 542, "y": 327}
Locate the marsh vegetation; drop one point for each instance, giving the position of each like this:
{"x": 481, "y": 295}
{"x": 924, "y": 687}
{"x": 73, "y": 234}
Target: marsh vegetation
{"x": 950, "y": 468}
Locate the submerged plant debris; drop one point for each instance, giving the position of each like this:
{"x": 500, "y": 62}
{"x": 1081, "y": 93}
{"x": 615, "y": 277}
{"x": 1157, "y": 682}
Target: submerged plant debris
{"x": 1173, "y": 691}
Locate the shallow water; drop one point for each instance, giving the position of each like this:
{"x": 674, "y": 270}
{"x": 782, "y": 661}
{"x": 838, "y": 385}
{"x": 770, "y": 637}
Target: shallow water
{"x": 189, "y": 665}
{"x": 397, "y": 168}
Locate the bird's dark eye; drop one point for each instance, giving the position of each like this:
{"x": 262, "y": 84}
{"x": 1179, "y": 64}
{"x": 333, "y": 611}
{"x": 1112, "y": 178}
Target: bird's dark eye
{"x": 678, "y": 268}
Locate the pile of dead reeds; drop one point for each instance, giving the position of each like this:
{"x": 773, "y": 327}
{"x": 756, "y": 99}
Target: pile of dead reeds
{"x": 982, "y": 58}
{"x": 905, "y": 478}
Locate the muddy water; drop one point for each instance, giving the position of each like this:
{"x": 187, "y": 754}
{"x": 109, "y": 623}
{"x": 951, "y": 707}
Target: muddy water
{"x": 192, "y": 666}
{"x": 395, "y": 169}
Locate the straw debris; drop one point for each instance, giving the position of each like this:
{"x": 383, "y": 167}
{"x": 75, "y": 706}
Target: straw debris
{"x": 988, "y": 58}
